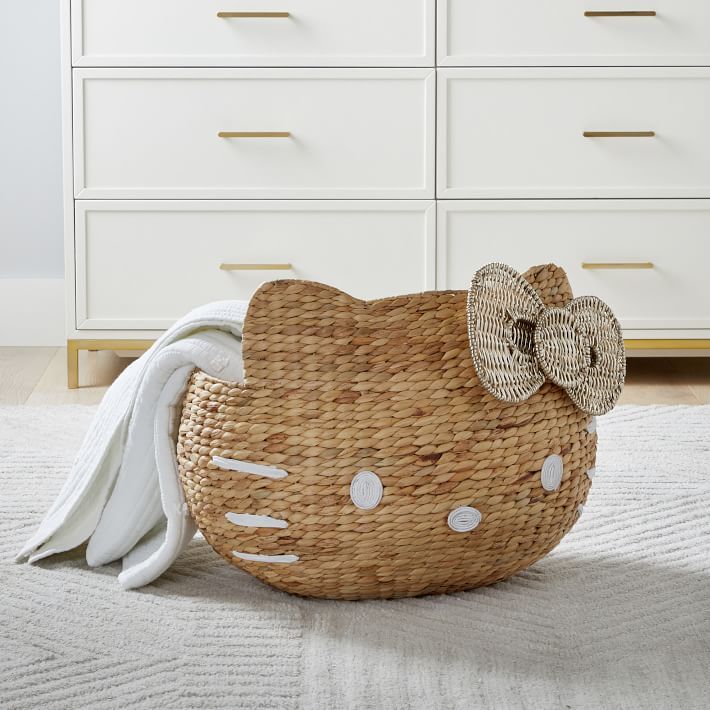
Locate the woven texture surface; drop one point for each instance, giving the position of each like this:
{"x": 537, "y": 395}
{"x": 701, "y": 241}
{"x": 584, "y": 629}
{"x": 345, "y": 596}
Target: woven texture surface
{"x": 617, "y": 617}
{"x": 336, "y": 386}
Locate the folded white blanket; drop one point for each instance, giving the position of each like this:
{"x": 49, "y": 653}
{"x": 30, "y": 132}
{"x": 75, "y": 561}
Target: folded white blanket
{"x": 123, "y": 494}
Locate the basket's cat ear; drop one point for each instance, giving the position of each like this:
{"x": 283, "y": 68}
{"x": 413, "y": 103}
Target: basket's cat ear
{"x": 292, "y": 321}
{"x": 288, "y": 305}
{"x": 551, "y": 283}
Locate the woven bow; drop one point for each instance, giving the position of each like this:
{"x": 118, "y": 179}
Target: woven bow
{"x": 517, "y": 342}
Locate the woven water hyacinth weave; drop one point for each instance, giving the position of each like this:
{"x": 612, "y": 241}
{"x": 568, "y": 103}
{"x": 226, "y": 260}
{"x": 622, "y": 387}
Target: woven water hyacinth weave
{"x": 460, "y": 489}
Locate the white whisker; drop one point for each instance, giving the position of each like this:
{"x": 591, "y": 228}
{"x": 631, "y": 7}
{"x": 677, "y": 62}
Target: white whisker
{"x": 246, "y": 467}
{"x": 279, "y": 559}
{"x": 255, "y": 521}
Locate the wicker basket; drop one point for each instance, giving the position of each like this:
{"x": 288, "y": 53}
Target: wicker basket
{"x": 473, "y": 489}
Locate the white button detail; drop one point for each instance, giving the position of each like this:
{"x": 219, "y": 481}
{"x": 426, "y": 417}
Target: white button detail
{"x": 366, "y": 490}
{"x": 464, "y": 519}
{"x": 591, "y": 473}
{"x": 592, "y": 426}
{"x": 551, "y": 475}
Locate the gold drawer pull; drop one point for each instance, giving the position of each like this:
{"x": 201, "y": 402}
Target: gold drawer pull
{"x": 227, "y": 15}
{"x": 256, "y": 267}
{"x": 254, "y": 134}
{"x": 617, "y": 265}
{"x": 619, "y": 134}
{"x": 620, "y": 13}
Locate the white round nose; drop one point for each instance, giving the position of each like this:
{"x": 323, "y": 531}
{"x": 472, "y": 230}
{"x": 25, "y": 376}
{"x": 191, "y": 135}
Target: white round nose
{"x": 464, "y": 519}
{"x": 366, "y": 490}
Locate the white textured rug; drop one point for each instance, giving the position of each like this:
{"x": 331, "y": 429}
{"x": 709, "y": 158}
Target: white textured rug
{"x": 618, "y": 616}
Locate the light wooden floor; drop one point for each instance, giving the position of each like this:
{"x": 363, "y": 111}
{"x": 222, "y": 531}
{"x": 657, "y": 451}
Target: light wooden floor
{"x": 39, "y": 376}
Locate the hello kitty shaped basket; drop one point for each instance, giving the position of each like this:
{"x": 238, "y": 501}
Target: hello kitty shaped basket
{"x": 413, "y": 445}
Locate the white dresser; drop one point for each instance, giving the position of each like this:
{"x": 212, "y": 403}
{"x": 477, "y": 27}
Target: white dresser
{"x": 383, "y": 147}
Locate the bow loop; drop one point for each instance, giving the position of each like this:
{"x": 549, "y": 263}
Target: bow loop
{"x": 517, "y": 343}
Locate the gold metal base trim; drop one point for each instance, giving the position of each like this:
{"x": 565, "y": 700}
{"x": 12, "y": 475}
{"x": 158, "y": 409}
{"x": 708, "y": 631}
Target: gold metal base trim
{"x": 74, "y": 346}
{"x": 668, "y": 344}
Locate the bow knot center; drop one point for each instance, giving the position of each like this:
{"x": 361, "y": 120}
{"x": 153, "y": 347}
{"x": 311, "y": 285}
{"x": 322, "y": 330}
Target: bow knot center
{"x": 562, "y": 347}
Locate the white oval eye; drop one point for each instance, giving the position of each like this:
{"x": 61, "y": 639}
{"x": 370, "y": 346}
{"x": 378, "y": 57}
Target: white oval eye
{"x": 366, "y": 490}
{"x": 551, "y": 475}
{"x": 464, "y": 519}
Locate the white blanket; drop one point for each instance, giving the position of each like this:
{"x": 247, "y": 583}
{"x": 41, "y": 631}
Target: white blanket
{"x": 123, "y": 494}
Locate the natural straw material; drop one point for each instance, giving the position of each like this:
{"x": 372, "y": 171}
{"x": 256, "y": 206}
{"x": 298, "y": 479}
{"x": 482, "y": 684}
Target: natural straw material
{"x": 336, "y": 386}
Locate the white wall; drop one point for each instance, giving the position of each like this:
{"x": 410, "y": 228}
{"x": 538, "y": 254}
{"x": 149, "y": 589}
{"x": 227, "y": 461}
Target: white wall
{"x": 31, "y": 253}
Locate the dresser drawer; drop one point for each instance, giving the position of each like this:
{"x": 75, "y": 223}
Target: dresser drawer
{"x": 672, "y": 235}
{"x": 566, "y": 33}
{"x": 510, "y": 133}
{"x": 292, "y": 33}
{"x": 142, "y": 264}
{"x": 182, "y": 133}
